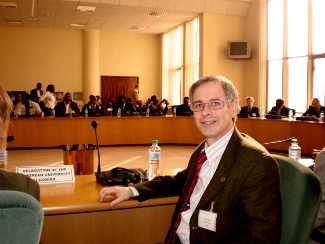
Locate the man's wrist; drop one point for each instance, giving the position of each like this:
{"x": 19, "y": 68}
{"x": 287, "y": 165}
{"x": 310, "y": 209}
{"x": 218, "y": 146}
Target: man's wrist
{"x": 134, "y": 190}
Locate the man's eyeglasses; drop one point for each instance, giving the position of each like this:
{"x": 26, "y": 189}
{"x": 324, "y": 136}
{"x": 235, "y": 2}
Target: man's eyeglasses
{"x": 213, "y": 105}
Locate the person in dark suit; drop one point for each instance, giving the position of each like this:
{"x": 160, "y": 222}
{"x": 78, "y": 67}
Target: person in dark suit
{"x": 67, "y": 108}
{"x": 36, "y": 93}
{"x": 314, "y": 110}
{"x": 119, "y": 105}
{"x": 281, "y": 109}
{"x": 92, "y": 109}
{"x": 129, "y": 109}
{"x": 250, "y": 109}
{"x": 158, "y": 108}
{"x": 9, "y": 180}
{"x": 236, "y": 190}
{"x": 184, "y": 109}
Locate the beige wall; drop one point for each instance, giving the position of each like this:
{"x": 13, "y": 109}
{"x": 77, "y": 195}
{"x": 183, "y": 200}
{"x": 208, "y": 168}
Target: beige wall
{"x": 217, "y": 30}
{"x": 30, "y": 55}
{"x": 132, "y": 55}
{"x": 53, "y": 56}
{"x": 255, "y": 68}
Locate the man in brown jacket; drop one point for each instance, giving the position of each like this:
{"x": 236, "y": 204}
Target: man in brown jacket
{"x": 236, "y": 196}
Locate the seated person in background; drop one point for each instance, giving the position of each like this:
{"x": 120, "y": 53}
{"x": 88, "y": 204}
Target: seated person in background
{"x": 138, "y": 106}
{"x": 17, "y": 103}
{"x": 67, "y": 108}
{"x": 250, "y": 109}
{"x": 109, "y": 103}
{"x": 129, "y": 109}
{"x": 99, "y": 102}
{"x": 9, "y": 180}
{"x": 146, "y": 105}
{"x": 119, "y": 105}
{"x": 93, "y": 110}
{"x": 314, "y": 110}
{"x": 27, "y": 107}
{"x": 158, "y": 108}
{"x": 281, "y": 109}
{"x": 184, "y": 109}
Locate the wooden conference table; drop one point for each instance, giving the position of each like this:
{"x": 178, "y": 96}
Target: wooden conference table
{"x": 73, "y": 214}
{"x": 52, "y": 132}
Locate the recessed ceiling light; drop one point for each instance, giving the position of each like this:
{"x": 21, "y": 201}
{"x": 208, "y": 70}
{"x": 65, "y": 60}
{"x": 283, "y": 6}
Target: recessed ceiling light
{"x": 8, "y": 4}
{"x": 78, "y": 24}
{"x": 86, "y": 8}
{"x": 135, "y": 27}
{"x": 157, "y": 14}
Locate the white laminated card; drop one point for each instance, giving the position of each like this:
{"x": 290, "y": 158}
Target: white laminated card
{"x": 48, "y": 174}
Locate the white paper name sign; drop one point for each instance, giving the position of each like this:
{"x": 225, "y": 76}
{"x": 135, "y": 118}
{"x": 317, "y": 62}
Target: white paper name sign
{"x": 48, "y": 174}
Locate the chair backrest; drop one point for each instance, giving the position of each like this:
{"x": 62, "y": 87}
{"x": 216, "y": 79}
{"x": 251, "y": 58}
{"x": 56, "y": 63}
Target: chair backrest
{"x": 21, "y": 218}
{"x": 173, "y": 109}
{"x": 320, "y": 172}
{"x": 301, "y": 194}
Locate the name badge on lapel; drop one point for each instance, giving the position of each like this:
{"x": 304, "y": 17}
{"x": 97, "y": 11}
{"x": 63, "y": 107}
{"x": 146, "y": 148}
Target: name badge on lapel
{"x": 207, "y": 220}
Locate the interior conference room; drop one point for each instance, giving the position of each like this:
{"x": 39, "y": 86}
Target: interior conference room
{"x": 164, "y": 47}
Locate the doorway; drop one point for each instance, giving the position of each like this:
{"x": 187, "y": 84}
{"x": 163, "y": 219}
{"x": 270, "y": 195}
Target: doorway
{"x": 113, "y": 86}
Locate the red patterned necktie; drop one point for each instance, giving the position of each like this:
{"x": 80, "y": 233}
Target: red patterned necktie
{"x": 200, "y": 161}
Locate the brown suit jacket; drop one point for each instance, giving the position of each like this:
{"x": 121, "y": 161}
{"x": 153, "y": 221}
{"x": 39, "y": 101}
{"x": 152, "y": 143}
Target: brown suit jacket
{"x": 18, "y": 182}
{"x": 245, "y": 188}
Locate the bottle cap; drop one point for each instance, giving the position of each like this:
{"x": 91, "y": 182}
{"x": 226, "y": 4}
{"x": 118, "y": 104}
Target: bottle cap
{"x": 154, "y": 142}
{"x": 294, "y": 140}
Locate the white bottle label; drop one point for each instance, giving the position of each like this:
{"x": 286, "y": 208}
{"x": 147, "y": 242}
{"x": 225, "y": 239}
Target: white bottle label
{"x": 154, "y": 155}
{"x": 294, "y": 153}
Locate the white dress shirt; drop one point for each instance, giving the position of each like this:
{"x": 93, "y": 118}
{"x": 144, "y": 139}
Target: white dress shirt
{"x": 209, "y": 167}
{"x": 33, "y": 108}
{"x": 49, "y": 99}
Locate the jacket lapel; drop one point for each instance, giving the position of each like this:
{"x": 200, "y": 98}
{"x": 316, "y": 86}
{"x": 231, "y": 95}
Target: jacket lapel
{"x": 220, "y": 177}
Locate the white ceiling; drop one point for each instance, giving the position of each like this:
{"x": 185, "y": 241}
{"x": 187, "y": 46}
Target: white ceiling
{"x": 115, "y": 15}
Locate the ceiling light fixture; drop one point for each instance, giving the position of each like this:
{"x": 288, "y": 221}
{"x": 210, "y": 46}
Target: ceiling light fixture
{"x": 77, "y": 24}
{"x": 86, "y": 8}
{"x": 157, "y": 14}
{"x": 8, "y": 4}
{"x": 135, "y": 27}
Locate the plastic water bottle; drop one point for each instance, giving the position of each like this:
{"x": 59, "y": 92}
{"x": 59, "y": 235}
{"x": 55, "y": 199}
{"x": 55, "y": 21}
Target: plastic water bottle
{"x": 174, "y": 111}
{"x": 290, "y": 114}
{"x": 154, "y": 160}
{"x": 148, "y": 112}
{"x": 119, "y": 112}
{"x": 86, "y": 112}
{"x": 321, "y": 116}
{"x": 53, "y": 113}
{"x": 294, "y": 150}
{"x": 3, "y": 158}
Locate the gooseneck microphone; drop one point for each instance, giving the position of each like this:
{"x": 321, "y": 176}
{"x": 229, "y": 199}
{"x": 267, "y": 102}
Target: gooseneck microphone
{"x": 94, "y": 124}
{"x": 273, "y": 142}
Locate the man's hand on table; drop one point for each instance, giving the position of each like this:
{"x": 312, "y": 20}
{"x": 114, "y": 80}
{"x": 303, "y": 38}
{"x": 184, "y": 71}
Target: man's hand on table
{"x": 121, "y": 194}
